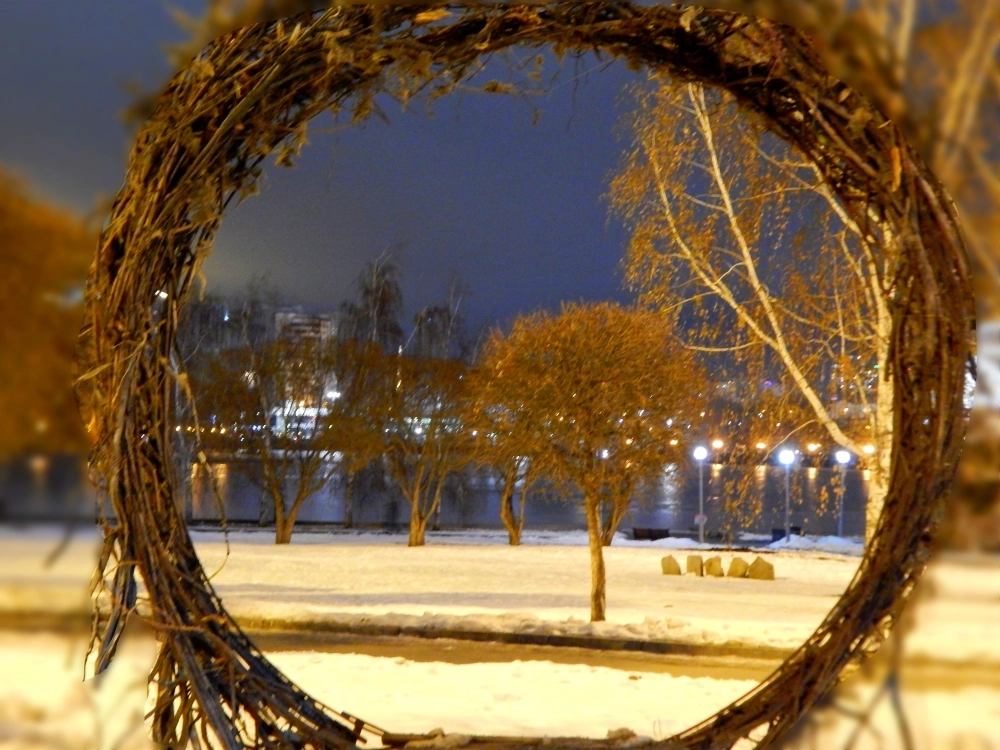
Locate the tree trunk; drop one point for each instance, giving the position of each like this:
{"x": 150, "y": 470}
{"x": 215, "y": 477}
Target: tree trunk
{"x": 283, "y": 533}
{"x": 283, "y": 528}
{"x": 418, "y": 526}
{"x": 264, "y": 518}
{"x": 507, "y": 515}
{"x": 520, "y": 510}
{"x": 597, "y": 578}
{"x": 349, "y": 500}
{"x": 881, "y": 461}
{"x": 607, "y": 524}
{"x": 615, "y": 515}
{"x": 882, "y": 429}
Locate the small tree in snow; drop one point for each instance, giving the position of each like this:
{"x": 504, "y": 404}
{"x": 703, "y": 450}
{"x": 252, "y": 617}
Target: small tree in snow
{"x": 423, "y": 438}
{"x": 588, "y": 397}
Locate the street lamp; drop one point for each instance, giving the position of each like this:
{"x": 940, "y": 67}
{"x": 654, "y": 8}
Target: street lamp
{"x": 700, "y": 454}
{"x": 787, "y": 458}
{"x": 843, "y": 458}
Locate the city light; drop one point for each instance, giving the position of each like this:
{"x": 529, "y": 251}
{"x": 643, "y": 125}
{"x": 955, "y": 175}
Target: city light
{"x": 717, "y": 444}
{"x": 787, "y": 458}
{"x": 869, "y": 449}
{"x": 761, "y": 446}
{"x": 700, "y": 453}
{"x": 813, "y": 447}
{"x": 843, "y": 457}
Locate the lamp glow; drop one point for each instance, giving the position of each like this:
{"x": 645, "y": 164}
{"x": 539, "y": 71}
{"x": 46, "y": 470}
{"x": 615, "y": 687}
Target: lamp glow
{"x": 787, "y": 458}
{"x": 700, "y": 454}
{"x": 843, "y": 457}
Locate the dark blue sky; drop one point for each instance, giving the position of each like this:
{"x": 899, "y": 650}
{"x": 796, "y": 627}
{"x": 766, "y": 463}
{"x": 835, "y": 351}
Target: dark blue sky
{"x": 513, "y": 209}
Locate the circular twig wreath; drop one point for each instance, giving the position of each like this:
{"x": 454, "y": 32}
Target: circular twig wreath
{"x": 251, "y": 93}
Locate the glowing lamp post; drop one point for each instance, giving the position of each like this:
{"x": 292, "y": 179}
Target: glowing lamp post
{"x": 700, "y": 454}
{"x": 786, "y": 458}
{"x": 843, "y": 458}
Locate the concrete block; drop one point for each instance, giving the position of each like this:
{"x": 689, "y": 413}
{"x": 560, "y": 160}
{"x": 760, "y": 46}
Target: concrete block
{"x": 738, "y": 568}
{"x": 761, "y": 570}
{"x": 670, "y": 566}
{"x": 713, "y": 567}
{"x": 695, "y": 565}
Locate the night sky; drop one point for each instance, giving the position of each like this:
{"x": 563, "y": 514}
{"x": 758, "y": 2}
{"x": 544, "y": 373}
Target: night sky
{"x": 474, "y": 192}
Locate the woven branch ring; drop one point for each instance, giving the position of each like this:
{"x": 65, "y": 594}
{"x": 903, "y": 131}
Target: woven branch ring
{"x": 251, "y": 93}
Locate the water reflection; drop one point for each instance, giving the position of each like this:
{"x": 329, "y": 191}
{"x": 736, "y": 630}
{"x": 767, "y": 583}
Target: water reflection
{"x": 737, "y": 498}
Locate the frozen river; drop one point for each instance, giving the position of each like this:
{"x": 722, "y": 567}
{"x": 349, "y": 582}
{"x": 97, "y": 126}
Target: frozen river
{"x": 745, "y": 498}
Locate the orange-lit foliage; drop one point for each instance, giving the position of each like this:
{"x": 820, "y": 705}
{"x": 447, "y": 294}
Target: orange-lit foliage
{"x": 44, "y": 255}
{"x": 591, "y": 398}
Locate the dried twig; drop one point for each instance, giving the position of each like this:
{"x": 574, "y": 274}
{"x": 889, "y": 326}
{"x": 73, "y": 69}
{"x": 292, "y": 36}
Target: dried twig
{"x": 250, "y": 93}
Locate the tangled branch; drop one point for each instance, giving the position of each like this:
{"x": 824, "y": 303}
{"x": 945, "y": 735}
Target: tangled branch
{"x": 250, "y": 94}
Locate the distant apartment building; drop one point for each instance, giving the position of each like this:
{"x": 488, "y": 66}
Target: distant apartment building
{"x": 294, "y": 323}
{"x": 215, "y": 325}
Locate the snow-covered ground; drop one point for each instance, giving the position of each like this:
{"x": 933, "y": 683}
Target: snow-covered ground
{"x": 475, "y": 581}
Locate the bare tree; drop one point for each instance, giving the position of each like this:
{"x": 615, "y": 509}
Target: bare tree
{"x": 374, "y": 318}
{"x": 498, "y": 445}
{"x": 729, "y": 222}
{"x": 588, "y": 398}
{"x": 271, "y": 399}
{"x": 424, "y": 440}
{"x": 514, "y": 475}
{"x": 436, "y": 332}
{"x": 357, "y": 415}
{"x": 367, "y": 325}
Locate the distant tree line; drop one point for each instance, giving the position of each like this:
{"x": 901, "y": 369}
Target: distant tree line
{"x": 588, "y": 402}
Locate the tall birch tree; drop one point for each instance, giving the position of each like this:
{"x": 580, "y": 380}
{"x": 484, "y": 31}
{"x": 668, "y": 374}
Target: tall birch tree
{"x": 738, "y": 236}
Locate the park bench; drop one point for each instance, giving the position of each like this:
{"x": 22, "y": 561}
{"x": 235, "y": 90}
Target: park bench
{"x": 650, "y": 534}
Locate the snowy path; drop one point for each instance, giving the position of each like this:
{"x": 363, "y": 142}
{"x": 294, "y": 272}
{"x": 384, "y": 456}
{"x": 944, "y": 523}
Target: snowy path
{"x": 476, "y": 581}
{"x": 44, "y": 704}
